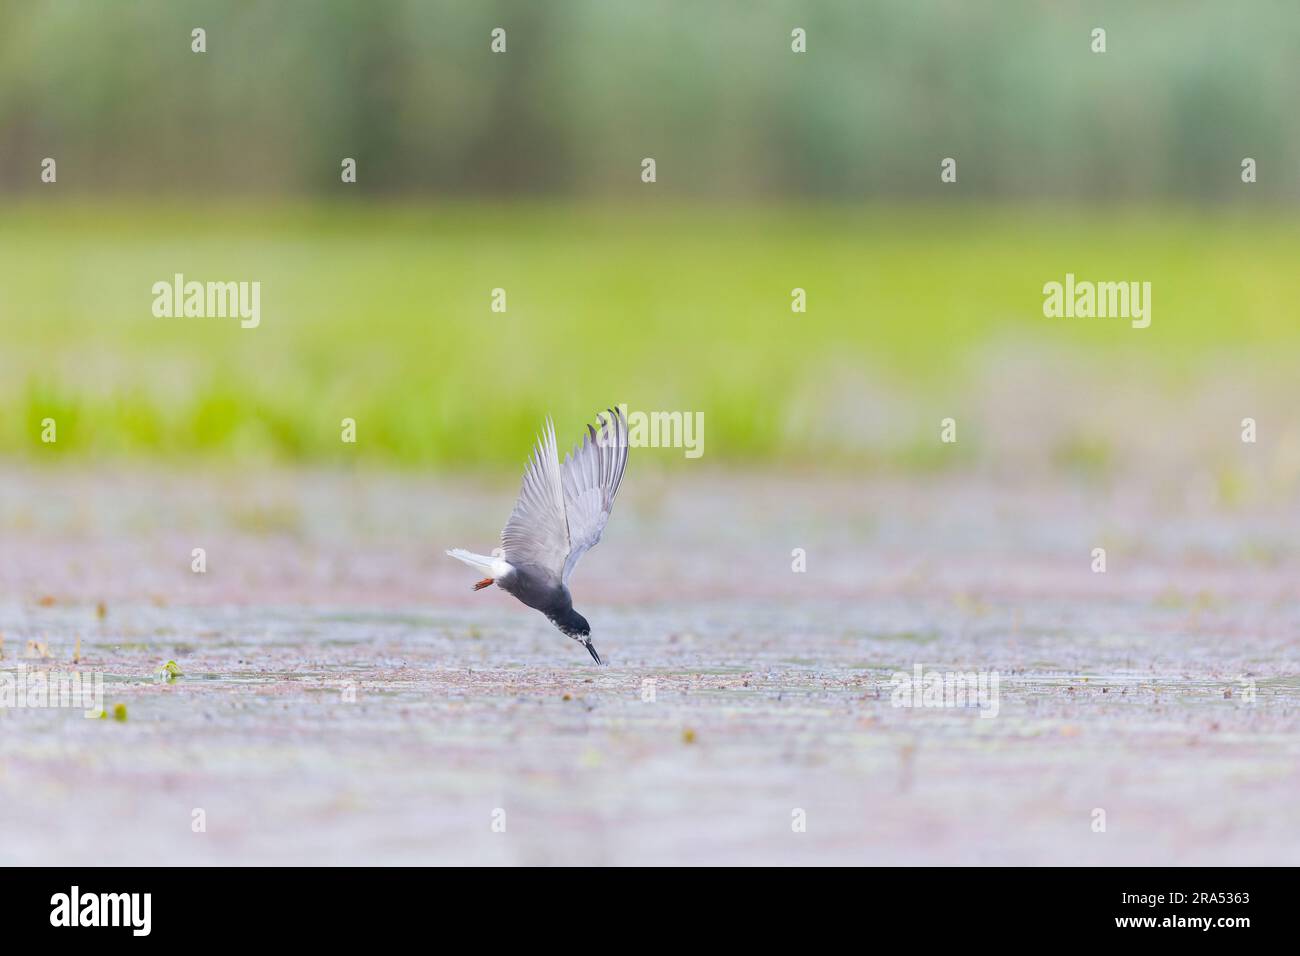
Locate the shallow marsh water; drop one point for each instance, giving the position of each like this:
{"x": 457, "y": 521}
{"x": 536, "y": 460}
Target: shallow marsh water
{"x": 346, "y": 699}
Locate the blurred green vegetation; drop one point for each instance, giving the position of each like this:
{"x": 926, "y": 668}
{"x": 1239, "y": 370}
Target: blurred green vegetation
{"x": 587, "y": 88}
{"x": 381, "y": 313}
{"x": 521, "y": 171}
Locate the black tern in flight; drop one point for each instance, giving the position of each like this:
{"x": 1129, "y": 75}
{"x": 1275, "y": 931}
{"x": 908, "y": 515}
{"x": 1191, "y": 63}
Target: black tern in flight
{"x": 561, "y": 512}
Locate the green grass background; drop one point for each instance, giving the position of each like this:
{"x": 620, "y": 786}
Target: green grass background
{"x": 381, "y": 313}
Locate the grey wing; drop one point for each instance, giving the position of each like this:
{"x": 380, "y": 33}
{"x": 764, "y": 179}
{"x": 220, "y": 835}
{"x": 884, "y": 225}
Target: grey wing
{"x": 592, "y": 473}
{"x": 538, "y": 532}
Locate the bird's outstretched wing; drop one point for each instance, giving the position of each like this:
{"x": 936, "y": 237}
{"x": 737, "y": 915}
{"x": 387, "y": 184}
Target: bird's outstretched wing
{"x": 591, "y": 475}
{"x": 537, "y": 533}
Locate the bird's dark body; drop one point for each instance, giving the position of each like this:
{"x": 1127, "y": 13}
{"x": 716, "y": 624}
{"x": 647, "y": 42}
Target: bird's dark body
{"x": 537, "y": 588}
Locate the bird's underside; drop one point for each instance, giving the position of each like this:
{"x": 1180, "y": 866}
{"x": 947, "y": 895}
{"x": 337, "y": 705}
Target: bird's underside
{"x": 560, "y": 514}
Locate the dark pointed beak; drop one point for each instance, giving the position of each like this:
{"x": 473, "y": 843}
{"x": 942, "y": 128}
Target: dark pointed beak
{"x": 594, "y": 656}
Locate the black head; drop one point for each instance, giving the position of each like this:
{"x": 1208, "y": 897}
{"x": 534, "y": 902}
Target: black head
{"x": 572, "y": 623}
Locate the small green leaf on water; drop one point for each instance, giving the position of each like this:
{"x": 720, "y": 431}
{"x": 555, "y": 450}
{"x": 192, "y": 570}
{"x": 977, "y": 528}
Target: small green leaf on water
{"x": 169, "y": 671}
{"x": 119, "y": 712}
{"x": 688, "y": 736}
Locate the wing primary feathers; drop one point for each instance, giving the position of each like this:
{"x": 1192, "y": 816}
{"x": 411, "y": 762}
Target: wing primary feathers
{"x": 592, "y": 474}
{"x": 537, "y": 533}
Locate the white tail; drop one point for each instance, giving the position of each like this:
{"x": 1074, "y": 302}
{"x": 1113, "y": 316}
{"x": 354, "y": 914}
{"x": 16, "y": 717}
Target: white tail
{"x": 481, "y": 562}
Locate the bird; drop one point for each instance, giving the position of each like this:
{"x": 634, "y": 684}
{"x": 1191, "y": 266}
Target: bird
{"x": 560, "y": 514}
